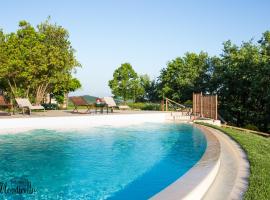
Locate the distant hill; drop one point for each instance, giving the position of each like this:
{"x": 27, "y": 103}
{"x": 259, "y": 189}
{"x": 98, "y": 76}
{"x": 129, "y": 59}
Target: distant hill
{"x": 90, "y": 99}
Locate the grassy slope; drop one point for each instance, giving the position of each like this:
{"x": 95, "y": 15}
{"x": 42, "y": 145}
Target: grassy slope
{"x": 258, "y": 151}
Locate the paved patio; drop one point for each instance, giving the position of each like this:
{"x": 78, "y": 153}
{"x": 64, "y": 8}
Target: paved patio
{"x": 82, "y": 112}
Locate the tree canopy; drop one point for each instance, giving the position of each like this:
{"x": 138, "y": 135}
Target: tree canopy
{"x": 242, "y": 81}
{"x": 240, "y": 76}
{"x": 36, "y": 61}
{"x": 126, "y": 83}
{"x": 184, "y": 75}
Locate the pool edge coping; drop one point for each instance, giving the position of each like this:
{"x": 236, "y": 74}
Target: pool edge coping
{"x": 196, "y": 182}
{"x": 241, "y": 179}
{"x": 141, "y": 117}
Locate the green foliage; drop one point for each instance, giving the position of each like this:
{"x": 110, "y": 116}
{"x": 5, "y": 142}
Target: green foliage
{"x": 188, "y": 103}
{"x": 49, "y": 106}
{"x": 37, "y": 61}
{"x": 60, "y": 98}
{"x": 145, "y": 84}
{"x": 153, "y": 92}
{"x": 60, "y": 90}
{"x": 184, "y": 75}
{"x": 251, "y": 127}
{"x": 126, "y": 83}
{"x": 150, "y": 90}
{"x": 241, "y": 78}
{"x": 144, "y": 106}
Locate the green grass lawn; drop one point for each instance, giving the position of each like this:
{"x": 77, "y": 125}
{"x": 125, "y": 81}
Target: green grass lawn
{"x": 258, "y": 152}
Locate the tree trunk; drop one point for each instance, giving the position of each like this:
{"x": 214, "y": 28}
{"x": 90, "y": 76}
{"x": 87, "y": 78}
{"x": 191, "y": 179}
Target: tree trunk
{"x": 40, "y": 93}
{"x": 12, "y": 89}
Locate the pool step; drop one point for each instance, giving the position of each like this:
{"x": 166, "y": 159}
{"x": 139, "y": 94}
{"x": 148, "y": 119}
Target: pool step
{"x": 180, "y": 116}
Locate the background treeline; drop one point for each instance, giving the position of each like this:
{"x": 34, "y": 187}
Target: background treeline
{"x": 37, "y": 61}
{"x": 240, "y": 76}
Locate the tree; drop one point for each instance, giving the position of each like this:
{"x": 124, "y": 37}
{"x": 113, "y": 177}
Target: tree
{"x": 125, "y": 83}
{"x": 184, "y": 75}
{"x": 137, "y": 88}
{"x": 35, "y": 62}
{"x": 150, "y": 90}
{"x": 143, "y": 82}
{"x": 3, "y": 58}
{"x": 242, "y": 82}
{"x": 240, "y": 77}
{"x": 62, "y": 89}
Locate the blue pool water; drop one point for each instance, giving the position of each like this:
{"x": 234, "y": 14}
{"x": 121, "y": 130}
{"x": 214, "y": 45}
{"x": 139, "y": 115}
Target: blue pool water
{"x": 132, "y": 162}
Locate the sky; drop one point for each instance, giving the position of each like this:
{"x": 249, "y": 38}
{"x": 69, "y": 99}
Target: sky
{"x": 147, "y": 34}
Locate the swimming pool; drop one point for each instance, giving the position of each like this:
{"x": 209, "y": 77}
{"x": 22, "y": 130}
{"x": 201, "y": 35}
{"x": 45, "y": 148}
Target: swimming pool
{"x": 104, "y": 162}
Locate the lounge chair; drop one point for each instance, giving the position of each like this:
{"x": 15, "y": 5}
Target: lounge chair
{"x": 110, "y": 102}
{"x": 24, "y": 103}
{"x": 5, "y": 104}
{"x": 80, "y": 101}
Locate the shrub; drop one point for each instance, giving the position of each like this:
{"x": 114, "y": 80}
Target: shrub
{"x": 251, "y": 127}
{"x": 188, "y": 103}
{"x": 144, "y": 106}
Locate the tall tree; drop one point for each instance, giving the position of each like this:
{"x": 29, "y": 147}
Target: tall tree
{"x": 3, "y": 58}
{"x": 184, "y": 75}
{"x": 144, "y": 83}
{"x": 59, "y": 58}
{"x": 125, "y": 82}
{"x": 242, "y": 82}
{"x": 36, "y": 61}
{"x": 150, "y": 90}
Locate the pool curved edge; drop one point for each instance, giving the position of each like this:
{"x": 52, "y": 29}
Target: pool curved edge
{"x": 232, "y": 179}
{"x": 195, "y": 183}
{"x": 222, "y": 171}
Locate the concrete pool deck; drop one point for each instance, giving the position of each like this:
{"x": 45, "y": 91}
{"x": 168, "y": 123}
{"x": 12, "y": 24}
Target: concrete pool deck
{"x": 221, "y": 173}
{"x": 62, "y": 113}
{"x": 232, "y": 179}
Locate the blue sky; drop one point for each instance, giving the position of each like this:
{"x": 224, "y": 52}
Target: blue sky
{"x": 146, "y": 33}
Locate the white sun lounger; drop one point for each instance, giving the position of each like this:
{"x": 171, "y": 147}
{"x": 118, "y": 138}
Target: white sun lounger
{"x": 110, "y": 102}
{"x": 25, "y": 103}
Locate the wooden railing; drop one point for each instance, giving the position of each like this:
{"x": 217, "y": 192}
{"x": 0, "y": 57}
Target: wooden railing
{"x": 222, "y": 119}
{"x": 171, "y": 105}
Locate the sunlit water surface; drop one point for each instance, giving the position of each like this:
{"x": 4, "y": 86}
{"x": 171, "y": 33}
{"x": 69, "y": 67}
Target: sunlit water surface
{"x": 133, "y": 162}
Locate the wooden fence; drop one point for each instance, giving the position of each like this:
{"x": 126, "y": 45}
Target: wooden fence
{"x": 205, "y": 105}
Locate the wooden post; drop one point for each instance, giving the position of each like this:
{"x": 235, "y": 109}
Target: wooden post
{"x": 162, "y": 104}
{"x": 216, "y": 108}
{"x": 211, "y": 107}
{"x": 194, "y": 103}
{"x": 201, "y": 106}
